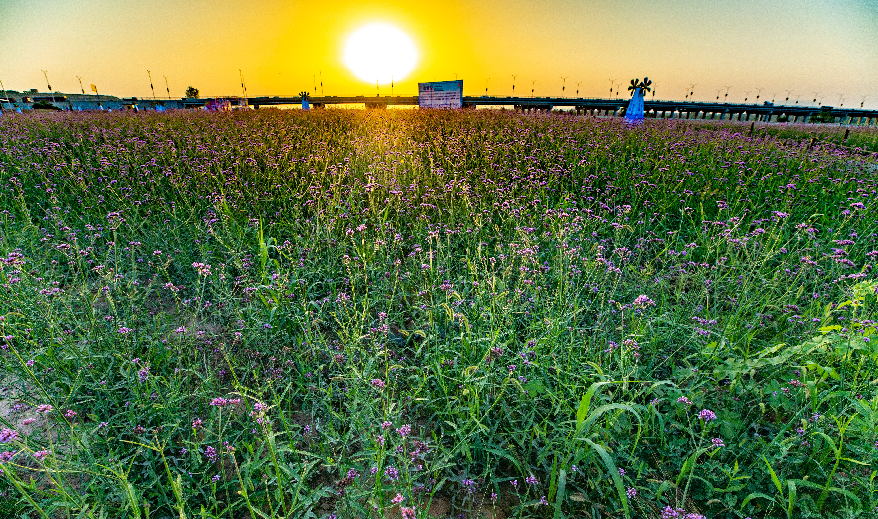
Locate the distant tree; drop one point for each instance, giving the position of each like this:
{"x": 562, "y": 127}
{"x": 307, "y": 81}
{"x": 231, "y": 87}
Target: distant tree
{"x": 192, "y": 92}
{"x": 643, "y": 85}
{"x": 635, "y": 83}
{"x": 44, "y": 105}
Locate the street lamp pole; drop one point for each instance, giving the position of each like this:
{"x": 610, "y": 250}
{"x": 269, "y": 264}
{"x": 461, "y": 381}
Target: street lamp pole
{"x": 150, "y": 83}
{"x": 577, "y": 88}
{"x": 563, "y": 85}
{"x": 513, "y": 84}
{"x": 532, "y": 87}
{"x": 167, "y": 88}
{"x": 49, "y": 85}
{"x": 6, "y": 96}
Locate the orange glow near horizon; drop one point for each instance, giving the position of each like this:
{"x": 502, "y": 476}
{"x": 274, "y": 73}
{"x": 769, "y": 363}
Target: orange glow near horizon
{"x": 804, "y": 46}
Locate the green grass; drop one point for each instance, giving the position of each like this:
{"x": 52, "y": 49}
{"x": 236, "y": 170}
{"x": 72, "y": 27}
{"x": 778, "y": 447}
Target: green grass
{"x": 292, "y": 314}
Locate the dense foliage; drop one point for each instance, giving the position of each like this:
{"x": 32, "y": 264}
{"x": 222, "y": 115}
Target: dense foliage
{"x": 412, "y": 314}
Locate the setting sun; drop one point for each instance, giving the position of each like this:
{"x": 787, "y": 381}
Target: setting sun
{"x": 380, "y": 52}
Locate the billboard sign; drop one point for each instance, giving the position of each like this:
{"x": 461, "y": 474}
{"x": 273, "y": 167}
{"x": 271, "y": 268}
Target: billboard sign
{"x": 441, "y": 94}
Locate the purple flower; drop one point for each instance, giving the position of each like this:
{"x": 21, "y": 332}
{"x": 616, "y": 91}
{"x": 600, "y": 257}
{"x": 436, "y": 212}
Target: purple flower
{"x": 391, "y": 473}
{"x": 631, "y": 492}
{"x": 531, "y": 480}
{"x": 718, "y": 442}
{"x": 684, "y": 400}
{"x": 643, "y": 301}
{"x": 378, "y": 383}
{"x": 203, "y": 269}
{"x": 211, "y": 454}
{"x": 8, "y": 435}
{"x": 706, "y": 415}
{"x": 398, "y": 499}
{"x": 408, "y": 513}
{"x": 405, "y": 430}
{"x": 41, "y": 455}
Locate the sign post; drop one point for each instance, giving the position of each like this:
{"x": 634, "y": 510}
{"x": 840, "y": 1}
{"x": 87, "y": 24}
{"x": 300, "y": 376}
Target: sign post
{"x": 441, "y": 94}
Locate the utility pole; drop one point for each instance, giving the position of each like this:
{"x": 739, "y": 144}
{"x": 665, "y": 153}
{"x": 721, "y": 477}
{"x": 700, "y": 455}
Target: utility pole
{"x": 532, "y": 87}
{"x": 612, "y": 83}
{"x": 150, "y": 84}
{"x": 577, "y": 88}
{"x": 563, "y": 85}
{"x": 243, "y": 88}
{"x": 167, "y": 88}
{"x": 80, "y": 85}
{"x": 49, "y": 85}
{"x": 6, "y": 97}
{"x": 315, "y": 83}
{"x": 486, "y": 86}
{"x": 513, "y": 85}
{"x": 321, "y": 82}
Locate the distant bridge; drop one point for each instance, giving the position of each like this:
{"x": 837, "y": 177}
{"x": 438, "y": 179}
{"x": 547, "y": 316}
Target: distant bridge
{"x": 766, "y": 112}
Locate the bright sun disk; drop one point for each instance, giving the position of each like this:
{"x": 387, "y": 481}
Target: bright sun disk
{"x": 380, "y": 51}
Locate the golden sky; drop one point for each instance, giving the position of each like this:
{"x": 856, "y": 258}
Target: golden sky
{"x": 807, "y": 46}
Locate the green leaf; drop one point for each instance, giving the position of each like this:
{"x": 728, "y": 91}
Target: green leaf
{"x": 614, "y": 472}
{"x": 774, "y": 477}
{"x": 753, "y": 496}
{"x": 585, "y": 403}
{"x": 559, "y": 496}
{"x": 687, "y": 465}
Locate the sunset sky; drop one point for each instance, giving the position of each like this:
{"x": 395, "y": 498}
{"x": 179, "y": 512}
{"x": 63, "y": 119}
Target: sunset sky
{"x": 806, "y": 46}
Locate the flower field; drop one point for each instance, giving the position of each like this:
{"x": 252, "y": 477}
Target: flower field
{"x": 404, "y": 314}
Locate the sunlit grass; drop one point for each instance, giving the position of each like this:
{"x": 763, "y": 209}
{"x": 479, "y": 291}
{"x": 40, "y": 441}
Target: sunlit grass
{"x": 356, "y": 314}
